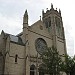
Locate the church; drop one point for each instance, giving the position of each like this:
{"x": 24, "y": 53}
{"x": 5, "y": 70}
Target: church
{"x": 20, "y": 54}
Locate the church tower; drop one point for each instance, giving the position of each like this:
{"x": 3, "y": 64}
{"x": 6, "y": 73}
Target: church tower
{"x": 52, "y": 20}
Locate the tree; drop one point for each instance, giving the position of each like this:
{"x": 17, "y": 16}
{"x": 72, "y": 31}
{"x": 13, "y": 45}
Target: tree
{"x": 67, "y": 65}
{"x": 73, "y": 67}
{"x": 53, "y": 64}
{"x": 51, "y": 60}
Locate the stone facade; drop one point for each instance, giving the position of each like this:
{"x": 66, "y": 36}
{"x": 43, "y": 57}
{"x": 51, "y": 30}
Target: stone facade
{"x": 18, "y": 54}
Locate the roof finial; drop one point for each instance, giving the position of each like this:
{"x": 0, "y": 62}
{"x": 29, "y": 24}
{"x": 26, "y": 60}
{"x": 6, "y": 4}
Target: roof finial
{"x": 46, "y": 8}
{"x": 40, "y": 17}
{"x": 52, "y": 6}
{"x": 3, "y": 32}
{"x": 56, "y": 8}
{"x": 42, "y": 12}
{"x": 59, "y": 11}
{"x": 26, "y": 13}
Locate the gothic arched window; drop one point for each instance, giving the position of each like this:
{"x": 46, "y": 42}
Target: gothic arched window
{"x": 32, "y": 70}
{"x": 49, "y": 23}
{"x": 58, "y": 25}
{"x": 46, "y": 24}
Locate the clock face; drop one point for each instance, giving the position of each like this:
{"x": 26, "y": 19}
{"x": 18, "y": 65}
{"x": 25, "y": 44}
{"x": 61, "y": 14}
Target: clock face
{"x": 40, "y": 45}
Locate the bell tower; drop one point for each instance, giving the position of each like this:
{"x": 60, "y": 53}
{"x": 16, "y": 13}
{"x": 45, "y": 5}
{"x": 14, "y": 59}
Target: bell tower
{"x": 52, "y": 20}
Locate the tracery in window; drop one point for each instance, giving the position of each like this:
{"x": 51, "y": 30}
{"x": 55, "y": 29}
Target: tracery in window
{"x": 40, "y": 45}
{"x": 32, "y": 70}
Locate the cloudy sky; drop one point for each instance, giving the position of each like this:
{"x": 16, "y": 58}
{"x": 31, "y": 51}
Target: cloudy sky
{"x": 11, "y": 16}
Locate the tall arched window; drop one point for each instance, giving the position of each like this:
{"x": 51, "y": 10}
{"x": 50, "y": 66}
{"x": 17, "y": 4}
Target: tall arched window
{"x": 32, "y": 70}
{"x": 16, "y": 56}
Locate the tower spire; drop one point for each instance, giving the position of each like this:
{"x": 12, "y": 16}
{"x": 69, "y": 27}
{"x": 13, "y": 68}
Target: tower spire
{"x": 25, "y": 17}
{"x": 26, "y": 13}
{"x": 25, "y": 26}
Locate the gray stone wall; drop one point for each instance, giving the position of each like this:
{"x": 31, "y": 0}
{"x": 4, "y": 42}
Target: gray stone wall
{"x": 1, "y": 65}
{"x": 1, "y": 55}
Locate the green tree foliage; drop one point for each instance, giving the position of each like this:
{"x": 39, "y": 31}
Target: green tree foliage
{"x": 51, "y": 61}
{"x": 67, "y": 65}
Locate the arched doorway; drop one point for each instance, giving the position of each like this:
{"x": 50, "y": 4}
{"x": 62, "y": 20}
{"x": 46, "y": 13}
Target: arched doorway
{"x": 32, "y": 70}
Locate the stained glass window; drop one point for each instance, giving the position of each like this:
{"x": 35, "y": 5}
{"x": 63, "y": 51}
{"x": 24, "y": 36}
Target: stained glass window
{"x": 40, "y": 45}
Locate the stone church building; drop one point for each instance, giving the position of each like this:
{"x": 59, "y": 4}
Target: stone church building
{"x": 20, "y": 54}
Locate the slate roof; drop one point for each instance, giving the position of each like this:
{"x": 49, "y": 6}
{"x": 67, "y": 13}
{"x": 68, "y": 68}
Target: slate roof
{"x": 16, "y": 39}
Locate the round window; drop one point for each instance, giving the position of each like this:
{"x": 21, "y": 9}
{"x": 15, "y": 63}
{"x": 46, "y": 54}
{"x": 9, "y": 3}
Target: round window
{"x": 40, "y": 45}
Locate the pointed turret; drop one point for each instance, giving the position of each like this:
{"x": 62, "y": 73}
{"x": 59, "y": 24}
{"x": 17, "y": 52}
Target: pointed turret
{"x": 26, "y": 13}
{"x": 25, "y": 18}
{"x": 2, "y": 33}
{"x": 40, "y": 18}
{"x": 25, "y": 26}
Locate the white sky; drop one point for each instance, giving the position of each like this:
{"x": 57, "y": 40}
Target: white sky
{"x": 11, "y": 16}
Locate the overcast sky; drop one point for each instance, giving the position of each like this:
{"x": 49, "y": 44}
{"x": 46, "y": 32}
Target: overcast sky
{"x": 12, "y": 11}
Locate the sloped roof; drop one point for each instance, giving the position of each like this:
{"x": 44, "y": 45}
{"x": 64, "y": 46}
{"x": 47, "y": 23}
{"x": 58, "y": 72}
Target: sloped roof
{"x": 16, "y": 40}
{"x": 13, "y": 38}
